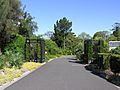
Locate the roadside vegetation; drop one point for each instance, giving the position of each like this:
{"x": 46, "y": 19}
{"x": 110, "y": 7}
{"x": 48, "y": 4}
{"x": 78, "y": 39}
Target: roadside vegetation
{"x": 102, "y": 61}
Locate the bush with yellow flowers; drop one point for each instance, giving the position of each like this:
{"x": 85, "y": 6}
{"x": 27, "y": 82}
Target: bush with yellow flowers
{"x": 30, "y": 65}
{"x": 8, "y": 74}
{"x": 3, "y": 79}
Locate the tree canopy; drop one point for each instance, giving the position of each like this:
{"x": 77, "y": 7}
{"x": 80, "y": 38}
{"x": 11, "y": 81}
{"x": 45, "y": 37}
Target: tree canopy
{"x": 61, "y": 30}
{"x": 9, "y": 14}
{"x": 14, "y": 20}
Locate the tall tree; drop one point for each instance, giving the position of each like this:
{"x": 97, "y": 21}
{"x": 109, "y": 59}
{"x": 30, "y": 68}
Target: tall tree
{"x": 9, "y": 14}
{"x": 26, "y": 25}
{"x": 84, "y": 36}
{"x": 112, "y": 37}
{"x": 72, "y": 42}
{"x": 61, "y": 30}
{"x": 116, "y": 31}
{"x": 103, "y": 35}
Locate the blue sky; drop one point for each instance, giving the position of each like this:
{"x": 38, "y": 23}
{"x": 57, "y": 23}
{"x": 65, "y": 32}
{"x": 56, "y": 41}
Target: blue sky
{"x": 87, "y": 16}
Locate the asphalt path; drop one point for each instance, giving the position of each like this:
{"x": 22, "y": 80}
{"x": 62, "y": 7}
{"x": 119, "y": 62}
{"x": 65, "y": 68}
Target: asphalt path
{"x": 61, "y": 74}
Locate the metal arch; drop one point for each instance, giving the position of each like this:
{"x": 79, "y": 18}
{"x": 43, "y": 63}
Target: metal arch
{"x": 41, "y": 44}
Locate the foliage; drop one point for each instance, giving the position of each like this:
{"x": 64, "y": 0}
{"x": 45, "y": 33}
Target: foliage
{"x": 9, "y": 75}
{"x": 26, "y": 25}
{"x": 33, "y": 49}
{"x": 13, "y": 20}
{"x": 116, "y": 50}
{"x": 14, "y": 51}
{"x": 84, "y": 36}
{"x": 10, "y": 59}
{"x": 30, "y": 65}
{"x": 103, "y": 46}
{"x": 103, "y": 61}
{"x": 90, "y": 50}
{"x": 9, "y": 14}
{"x": 72, "y": 42}
{"x": 15, "y": 72}
{"x": 17, "y": 45}
{"x": 101, "y": 35}
{"x": 66, "y": 52}
{"x": 49, "y": 56}
{"x": 61, "y": 30}
{"x": 52, "y": 48}
{"x": 116, "y": 30}
{"x": 112, "y": 38}
{"x": 115, "y": 63}
{"x": 49, "y": 34}
{"x": 79, "y": 55}
{"x": 110, "y": 61}
{"x": 2, "y": 61}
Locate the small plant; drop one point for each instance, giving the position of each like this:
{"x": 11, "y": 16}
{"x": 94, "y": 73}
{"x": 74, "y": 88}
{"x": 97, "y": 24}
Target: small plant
{"x": 13, "y": 59}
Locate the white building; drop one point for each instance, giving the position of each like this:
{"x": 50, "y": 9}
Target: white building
{"x": 113, "y": 44}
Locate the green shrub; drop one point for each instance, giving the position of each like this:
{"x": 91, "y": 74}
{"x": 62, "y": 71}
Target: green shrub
{"x": 110, "y": 61}
{"x": 103, "y": 48}
{"x": 52, "y": 48}
{"x": 16, "y": 60}
{"x": 17, "y": 45}
{"x": 116, "y": 50}
{"x": 13, "y": 55}
{"x": 115, "y": 63}
{"x": 78, "y": 55}
{"x": 89, "y": 47}
{"x": 104, "y": 61}
{"x": 11, "y": 59}
{"x": 66, "y": 52}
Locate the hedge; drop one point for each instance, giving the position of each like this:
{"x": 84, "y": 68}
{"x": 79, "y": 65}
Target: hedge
{"x": 109, "y": 61}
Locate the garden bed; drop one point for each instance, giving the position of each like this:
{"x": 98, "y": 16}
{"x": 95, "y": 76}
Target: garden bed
{"x": 7, "y": 75}
{"x": 106, "y": 74}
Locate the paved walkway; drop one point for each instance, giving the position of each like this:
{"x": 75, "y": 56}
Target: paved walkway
{"x": 60, "y": 74}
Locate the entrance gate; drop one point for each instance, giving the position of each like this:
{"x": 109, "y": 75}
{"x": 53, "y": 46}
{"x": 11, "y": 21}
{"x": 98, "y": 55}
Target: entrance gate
{"x": 34, "y": 50}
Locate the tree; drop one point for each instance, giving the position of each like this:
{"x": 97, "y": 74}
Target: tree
{"x": 116, "y": 31}
{"x": 9, "y": 14}
{"x": 71, "y": 42}
{"x": 49, "y": 34}
{"x": 112, "y": 38}
{"x": 61, "y": 30}
{"x": 26, "y": 25}
{"x": 101, "y": 35}
{"x": 84, "y": 36}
